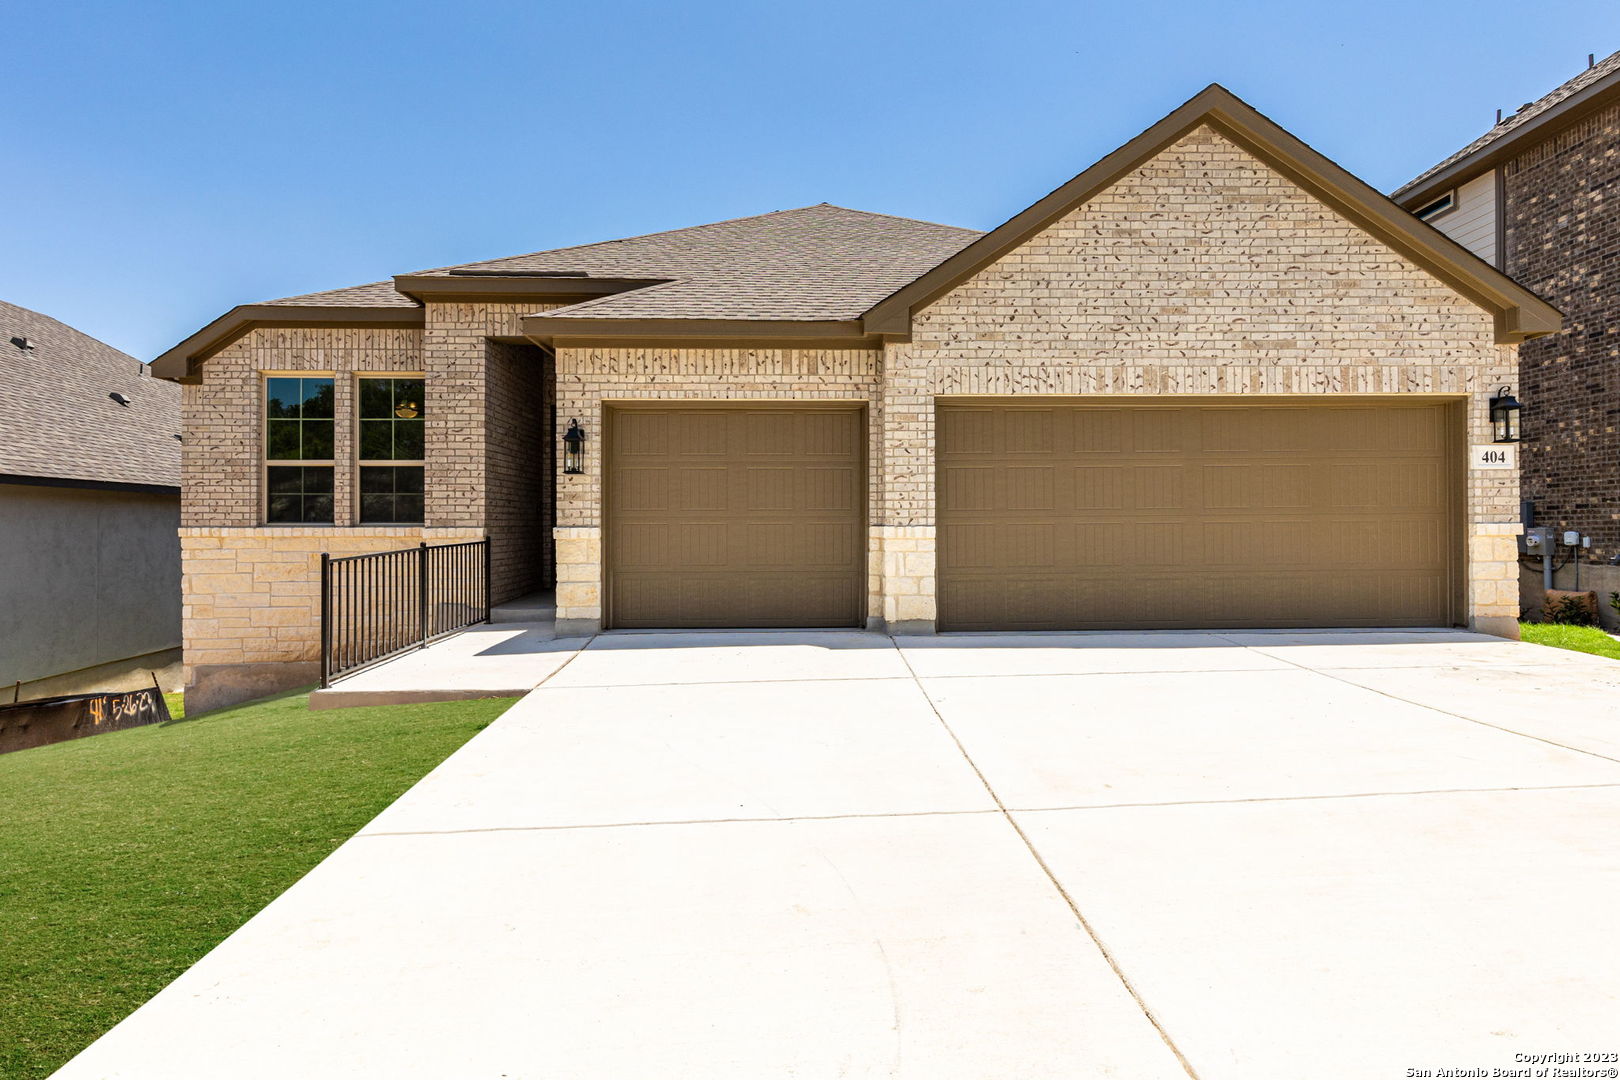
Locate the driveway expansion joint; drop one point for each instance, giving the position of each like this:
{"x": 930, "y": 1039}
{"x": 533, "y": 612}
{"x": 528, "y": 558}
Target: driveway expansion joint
{"x": 683, "y": 821}
{"x": 1327, "y": 673}
{"x": 1068, "y": 899}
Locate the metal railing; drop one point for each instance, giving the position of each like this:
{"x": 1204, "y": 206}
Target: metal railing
{"x": 377, "y": 606}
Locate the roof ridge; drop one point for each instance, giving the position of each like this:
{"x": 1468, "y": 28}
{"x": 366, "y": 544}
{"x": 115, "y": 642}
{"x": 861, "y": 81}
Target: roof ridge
{"x": 621, "y": 239}
{"x": 71, "y": 329}
{"x": 694, "y": 228}
{"x": 896, "y": 217}
{"x": 336, "y": 289}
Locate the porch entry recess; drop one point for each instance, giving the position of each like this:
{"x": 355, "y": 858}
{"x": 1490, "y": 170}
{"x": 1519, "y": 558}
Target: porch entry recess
{"x": 379, "y": 605}
{"x": 735, "y": 515}
{"x": 1136, "y": 515}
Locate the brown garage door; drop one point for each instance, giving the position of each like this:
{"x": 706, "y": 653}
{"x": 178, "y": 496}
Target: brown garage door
{"x": 1105, "y": 515}
{"x": 736, "y": 516}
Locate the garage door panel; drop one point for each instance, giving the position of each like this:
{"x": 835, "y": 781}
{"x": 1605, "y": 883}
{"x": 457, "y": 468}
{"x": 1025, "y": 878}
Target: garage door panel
{"x": 789, "y": 545}
{"x": 1097, "y": 431}
{"x": 1034, "y": 433}
{"x": 686, "y": 543}
{"x": 1391, "y": 486}
{"x": 1101, "y": 487}
{"x": 1245, "y": 486}
{"x": 1029, "y": 546}
{"x": 1158, "y": 432}
{"x": 1185, "y": 516}
{"x": 1158, "y": 487}
{"x": 643, "y": 489}
{"x": 641, "y": 435}
{"x": 969, "y": 487}
{"x": 751, "y": 516}
{"x": 831, "y": 489}
{"x": 1029, "y": 487}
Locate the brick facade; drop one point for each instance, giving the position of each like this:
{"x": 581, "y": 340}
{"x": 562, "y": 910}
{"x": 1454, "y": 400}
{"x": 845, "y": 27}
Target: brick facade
{"x": 519, "y": 471}
{"x": 1562, "y": 238}
{"x": 251, "y": 606}
{"x": 222, "y": 458}
{"x": 1205, "y": 272}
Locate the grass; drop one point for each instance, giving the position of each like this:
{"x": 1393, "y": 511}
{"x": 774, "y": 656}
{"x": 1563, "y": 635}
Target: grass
{"x": 1586, "y": 639}
{"x": 125, "y": 857}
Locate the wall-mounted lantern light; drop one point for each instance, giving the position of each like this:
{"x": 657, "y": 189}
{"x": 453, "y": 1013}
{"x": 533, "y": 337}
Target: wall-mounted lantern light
{"x": 574, "y": 448}
{"x": 1504, "y": 416}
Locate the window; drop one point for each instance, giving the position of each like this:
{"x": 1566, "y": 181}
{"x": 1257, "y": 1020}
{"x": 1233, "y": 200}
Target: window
{"x": 298, "y": 450}
{"x": 391, "y": 437}
{"x": 1438, "y": 207}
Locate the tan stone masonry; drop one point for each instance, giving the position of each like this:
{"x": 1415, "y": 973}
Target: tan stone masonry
{"x": 252, "y": 595}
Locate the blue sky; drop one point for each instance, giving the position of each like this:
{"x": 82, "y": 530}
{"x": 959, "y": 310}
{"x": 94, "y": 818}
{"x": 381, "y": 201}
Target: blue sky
{"x": 167, "y": 161}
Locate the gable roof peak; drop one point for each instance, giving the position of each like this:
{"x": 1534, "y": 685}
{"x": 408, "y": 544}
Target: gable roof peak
{"x": 1518, "y": 313}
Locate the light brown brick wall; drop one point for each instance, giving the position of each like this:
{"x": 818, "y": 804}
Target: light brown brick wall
{"x": 518, "y": 475}
{"x": 456, "y": 347}
{"x": 221, "y": 458}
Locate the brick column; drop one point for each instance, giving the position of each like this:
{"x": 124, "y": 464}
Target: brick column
{"x": 903, "y": 534}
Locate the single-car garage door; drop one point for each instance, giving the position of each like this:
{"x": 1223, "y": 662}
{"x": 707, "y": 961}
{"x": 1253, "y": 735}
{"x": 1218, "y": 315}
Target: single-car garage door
{"x": 735, "y": 516}
{"x": 1107, "y": 515}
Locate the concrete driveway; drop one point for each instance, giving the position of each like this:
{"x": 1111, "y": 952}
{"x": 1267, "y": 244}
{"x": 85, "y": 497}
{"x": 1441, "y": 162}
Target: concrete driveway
{"x": 753, "y": 856}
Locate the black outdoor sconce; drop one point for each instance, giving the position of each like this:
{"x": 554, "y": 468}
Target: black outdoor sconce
{"x": 574, "y": 449}
{"x": 1504, "y": 407}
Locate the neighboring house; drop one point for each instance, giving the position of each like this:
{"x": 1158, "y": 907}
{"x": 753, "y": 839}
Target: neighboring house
{"x": 1214, "y": 380}
{"x": 1538, "y": 196}
{"x": 89, "y": 513}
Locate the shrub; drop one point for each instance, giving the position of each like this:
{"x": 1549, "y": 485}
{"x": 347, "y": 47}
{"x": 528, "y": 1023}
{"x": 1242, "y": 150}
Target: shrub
{"x": 1570, "y": 609}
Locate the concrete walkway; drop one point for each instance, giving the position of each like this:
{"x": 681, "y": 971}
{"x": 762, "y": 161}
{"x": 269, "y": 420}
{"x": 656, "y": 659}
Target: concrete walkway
{"x": 506, "y": 657}
{"x": 758, "y": 856}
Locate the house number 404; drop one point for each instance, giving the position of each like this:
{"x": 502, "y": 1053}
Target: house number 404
{"x": 1493, "y": 457}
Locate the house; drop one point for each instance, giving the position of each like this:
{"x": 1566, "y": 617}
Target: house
{"x": 89, "y": 513}
{"x": 1214, "y": 380}
{"x": 1538, "y": 197}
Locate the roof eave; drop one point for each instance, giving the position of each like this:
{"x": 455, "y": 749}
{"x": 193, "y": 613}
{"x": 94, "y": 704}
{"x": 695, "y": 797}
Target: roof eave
{"x": 140, "y": 487}
{"x": 1518, "y": 313}
{"x": 553, "y": 331}
{"x": 1582, "y": 103}
{"x": 514, "y": 287}
{"x": 180, "y": 363}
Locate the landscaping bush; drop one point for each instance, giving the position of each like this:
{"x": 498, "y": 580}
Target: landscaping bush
{"x": 1563, "y": 608}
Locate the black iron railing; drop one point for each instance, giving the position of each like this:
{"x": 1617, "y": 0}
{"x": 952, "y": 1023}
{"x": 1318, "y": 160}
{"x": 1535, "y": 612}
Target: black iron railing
{"x": 377, "y": 606}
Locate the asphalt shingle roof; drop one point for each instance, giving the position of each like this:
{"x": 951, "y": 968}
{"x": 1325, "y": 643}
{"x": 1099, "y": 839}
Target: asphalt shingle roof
{"x": 818, "y": 262}
{"x": 1607, "y": 66}
{"x": 380, "y": 294}
{"x": 57, "y": 420}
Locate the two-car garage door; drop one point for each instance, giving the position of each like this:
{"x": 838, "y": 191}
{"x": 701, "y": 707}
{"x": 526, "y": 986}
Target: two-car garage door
{"x": 1052, "y": 514}
{"x": 1106, "y": 515}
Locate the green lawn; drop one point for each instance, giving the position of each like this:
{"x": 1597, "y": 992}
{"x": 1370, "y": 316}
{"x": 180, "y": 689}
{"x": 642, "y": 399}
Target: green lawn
{"x": 125, "y": 857}
{"x": 1587, "y": 639}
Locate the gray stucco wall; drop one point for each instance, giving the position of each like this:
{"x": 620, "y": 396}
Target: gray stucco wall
{"x": 86, "y": 577}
